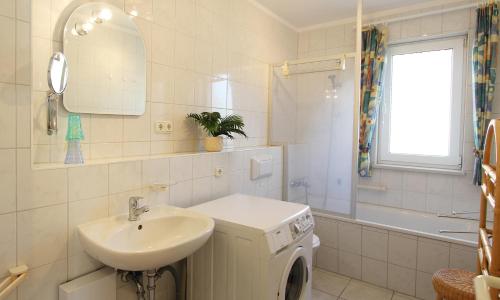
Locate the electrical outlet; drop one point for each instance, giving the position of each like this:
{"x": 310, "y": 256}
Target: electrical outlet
{"x": 164, "y": 127}
{"x": 219, "y": 172}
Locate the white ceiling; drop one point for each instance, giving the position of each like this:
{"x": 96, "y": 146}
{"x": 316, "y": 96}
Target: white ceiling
{"x": 305, "y": 13}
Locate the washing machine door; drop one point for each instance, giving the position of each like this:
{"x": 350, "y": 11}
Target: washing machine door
{"x": 295, "y": 277}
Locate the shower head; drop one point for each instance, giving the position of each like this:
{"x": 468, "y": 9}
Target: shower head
{"x": 332, "y": 78}
{"x": 331, "y": 93}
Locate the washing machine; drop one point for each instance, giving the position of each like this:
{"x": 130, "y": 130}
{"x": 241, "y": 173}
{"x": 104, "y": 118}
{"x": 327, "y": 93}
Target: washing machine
{"x": 261, "y": 249}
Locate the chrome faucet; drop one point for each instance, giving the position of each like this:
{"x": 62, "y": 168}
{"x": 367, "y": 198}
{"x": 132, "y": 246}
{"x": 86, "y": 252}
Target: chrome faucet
{"x": 133, "y": 210}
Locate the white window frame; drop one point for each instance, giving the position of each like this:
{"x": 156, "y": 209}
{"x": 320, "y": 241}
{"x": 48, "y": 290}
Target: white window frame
{"x": 453, "y": 162}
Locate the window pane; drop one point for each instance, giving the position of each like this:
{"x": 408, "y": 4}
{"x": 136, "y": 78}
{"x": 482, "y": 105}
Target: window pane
{"x": 421, "y": 103}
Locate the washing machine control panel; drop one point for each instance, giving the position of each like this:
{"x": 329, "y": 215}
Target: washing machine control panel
{"x": 289, "y": 232}
{"x": 301, "y": 225}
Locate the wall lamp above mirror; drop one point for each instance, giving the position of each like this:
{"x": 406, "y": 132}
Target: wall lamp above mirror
{"x": 107, "y": 57}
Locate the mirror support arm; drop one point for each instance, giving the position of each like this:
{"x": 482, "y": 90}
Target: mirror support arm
{"x": 52, "y": 105}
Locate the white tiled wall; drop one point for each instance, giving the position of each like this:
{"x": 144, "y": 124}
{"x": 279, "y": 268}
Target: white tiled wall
{"x": 401, "y": 262}
{"x": 41, "y": 207}
{"x": 201, "y": 56}
{"x": 433, "y": 193}
{"x": 427, "y": 192}
{"x": 60, "y": 199}
{"x": 319, "y": 138}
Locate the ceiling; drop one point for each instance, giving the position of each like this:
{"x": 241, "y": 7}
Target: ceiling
{"x": 306, "y": 13}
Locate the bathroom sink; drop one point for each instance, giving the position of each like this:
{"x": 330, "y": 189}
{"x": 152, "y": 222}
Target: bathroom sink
{"x": 160, "y": 237}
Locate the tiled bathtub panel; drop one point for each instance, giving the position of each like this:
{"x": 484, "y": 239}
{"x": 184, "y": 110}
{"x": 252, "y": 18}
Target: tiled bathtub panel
{"x": 409, "y": 260}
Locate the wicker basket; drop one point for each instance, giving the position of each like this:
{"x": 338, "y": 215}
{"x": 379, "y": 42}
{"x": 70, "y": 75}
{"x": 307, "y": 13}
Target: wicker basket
{"x": 453, "y": 284}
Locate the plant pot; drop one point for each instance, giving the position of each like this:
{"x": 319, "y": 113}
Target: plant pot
{"x": 213, "y": 144}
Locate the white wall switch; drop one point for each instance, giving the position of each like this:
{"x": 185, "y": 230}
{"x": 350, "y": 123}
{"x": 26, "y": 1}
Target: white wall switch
{"x": 164, "y": 127}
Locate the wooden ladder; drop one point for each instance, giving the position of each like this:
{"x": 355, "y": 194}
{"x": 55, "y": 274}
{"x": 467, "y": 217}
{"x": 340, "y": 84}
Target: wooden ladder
{"x": 488, "y": 245}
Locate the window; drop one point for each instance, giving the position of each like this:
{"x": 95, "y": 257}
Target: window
{"x": 421, "y": 115}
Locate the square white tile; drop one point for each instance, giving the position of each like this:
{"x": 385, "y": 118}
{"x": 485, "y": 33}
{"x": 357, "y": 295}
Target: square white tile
{"x": 350, "y": 264}
{"x": 319, "y": 295}
{"x": 156, "y": 171}
{"x": 36, "y": 188}
{"x": 43, "y": 282}
{"x": 375, "y": 243}
{"x": 8, "y": 180}
{"x": 358, "y": 290}
{"x": 87, "y": 182}
{"x": 328, "y": 282}
{"x": 80, "y": 212}
{"x": 374, "y": 271}
{"x": 203, "y": 165}
{"x": 432, "y": 255}
{"x": 350, "y": 237}
{"x": 8, "y": 245}
{"x": 403, "y": 250}
{"x": 402, "y": 279}
{"x": 7, "y": 111}
{"x": 202, "y": 190}
{"x": 42, "y": 235}
{"x": 181, "y": 168}
{"x": 181, "y": 193}
{"x": 328, "y": 258}
{"x": 125, "y": 176}
{"x": 463, "y": 257}
{"x": 424, "y": 289}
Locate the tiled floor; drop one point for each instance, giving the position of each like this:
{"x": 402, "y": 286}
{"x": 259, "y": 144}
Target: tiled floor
{"x": 331, "y": 286}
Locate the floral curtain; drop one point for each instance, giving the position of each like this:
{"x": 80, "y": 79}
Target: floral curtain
{"x": 372, "y": 67}
{"x": 484, "y": 77}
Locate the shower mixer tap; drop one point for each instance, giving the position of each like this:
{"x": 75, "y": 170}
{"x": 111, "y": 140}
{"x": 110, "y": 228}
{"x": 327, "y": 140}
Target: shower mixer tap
{"x": 299, "y": 182}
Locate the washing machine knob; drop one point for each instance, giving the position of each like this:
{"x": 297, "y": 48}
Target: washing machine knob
{"x": 296, "y": 228}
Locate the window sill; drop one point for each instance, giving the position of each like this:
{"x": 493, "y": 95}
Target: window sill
{"x": 419, "y": 169}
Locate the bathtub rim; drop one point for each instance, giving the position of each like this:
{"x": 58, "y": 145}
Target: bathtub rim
{"x": 417, "y": 233}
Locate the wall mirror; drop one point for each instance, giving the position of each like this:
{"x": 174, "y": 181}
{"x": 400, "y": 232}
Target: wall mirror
{"x": 57, "y": 77}
{"x": 57, "y": 74}
{"x": 107, "y": 57}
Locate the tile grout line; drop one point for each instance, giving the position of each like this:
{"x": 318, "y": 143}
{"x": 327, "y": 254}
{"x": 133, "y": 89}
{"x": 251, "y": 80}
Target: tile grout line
{"x": 67, "y": 225}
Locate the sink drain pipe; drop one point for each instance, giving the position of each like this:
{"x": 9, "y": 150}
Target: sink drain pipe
{"x": 152, "y": 276}
{"x": 136, "y": 278}
{"x": 175, "y": 275}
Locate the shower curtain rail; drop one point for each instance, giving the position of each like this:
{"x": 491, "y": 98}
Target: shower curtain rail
{"x": 421, "y": 15}
{"x": 340, "y": 60}
{"x": 317, "y": 59}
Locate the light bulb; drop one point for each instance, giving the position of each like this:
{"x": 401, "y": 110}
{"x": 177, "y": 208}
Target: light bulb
{"x": 83, "y": 29}
{"x": 101, "y": 16}
{"x": 87, "y": 26}
{"x": 105, "y": 14}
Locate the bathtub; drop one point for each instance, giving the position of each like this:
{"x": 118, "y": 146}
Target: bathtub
{"x": 421, "y": 224}
{"x": 394, "y": 248}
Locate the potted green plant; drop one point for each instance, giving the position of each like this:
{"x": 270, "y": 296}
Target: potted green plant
{"x": 217, "y": 126}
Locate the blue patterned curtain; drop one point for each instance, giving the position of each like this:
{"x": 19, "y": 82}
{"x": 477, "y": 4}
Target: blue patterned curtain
{"x": 484, "y": 78}
{"x": 372, "y": 68}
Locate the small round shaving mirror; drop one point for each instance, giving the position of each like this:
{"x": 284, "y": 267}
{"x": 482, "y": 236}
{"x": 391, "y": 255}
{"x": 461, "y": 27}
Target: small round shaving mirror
{"x": 58, "y": 73}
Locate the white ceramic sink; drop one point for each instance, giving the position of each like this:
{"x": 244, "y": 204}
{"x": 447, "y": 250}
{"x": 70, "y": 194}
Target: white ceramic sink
{"x": 160, "y": 237}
